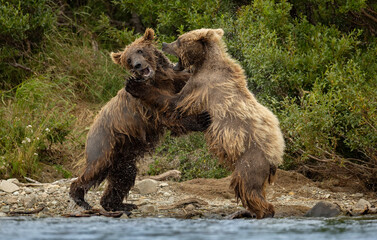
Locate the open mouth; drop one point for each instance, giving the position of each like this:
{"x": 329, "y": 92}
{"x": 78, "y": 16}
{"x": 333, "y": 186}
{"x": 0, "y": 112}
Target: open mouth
{"x": 178, "y": 66}
{"x": 146, "y": 72}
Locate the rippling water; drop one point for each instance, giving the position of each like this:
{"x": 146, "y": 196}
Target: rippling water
{"x": 168, "y": 228}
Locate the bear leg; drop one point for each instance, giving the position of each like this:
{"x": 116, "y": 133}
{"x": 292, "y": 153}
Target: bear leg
{"x": 91, "y": 177}
{"x": 120, "y": 179}
{"x": 249, "y": 180}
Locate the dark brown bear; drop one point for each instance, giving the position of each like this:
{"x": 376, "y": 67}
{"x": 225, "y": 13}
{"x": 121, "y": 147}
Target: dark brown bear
{"x": 244, "y": 134}
{"x": 125, "y": 129}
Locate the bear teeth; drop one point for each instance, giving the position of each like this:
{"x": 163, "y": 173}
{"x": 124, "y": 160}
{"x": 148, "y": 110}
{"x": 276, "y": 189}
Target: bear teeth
{"x": 146, "y": 72}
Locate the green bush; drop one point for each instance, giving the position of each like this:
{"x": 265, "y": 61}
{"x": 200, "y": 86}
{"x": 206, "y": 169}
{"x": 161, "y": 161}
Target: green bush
{"x": 189, "y": 155}
{"x": 318, "y": 80}
{"x": 312, "y": 62}
{"x": 170, "y": 18}
{"x": 93, "y": 75}
{"x": 32, "y": 121}
{"x": 22, "y": 27}
{"x": 345, "y": 15}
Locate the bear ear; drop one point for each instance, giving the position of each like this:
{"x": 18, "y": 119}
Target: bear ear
{"x": 149, "y": 34}
{"x": 219, "y": 32}
{"x": 213, "y": 32}
{"x": 116, "y": 57}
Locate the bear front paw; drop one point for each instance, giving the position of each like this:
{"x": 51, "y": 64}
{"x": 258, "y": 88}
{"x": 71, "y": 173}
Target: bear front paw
{"x": 135, "y": 86}
{"x": 204, "y": 120}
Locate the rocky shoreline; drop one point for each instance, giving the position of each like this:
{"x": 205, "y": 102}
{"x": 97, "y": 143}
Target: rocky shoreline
{"x": 293, "y": 195}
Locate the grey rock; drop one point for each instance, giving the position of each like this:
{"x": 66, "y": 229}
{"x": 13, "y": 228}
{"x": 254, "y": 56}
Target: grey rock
{"x": 44, "y": 195}
{"x": 358, "y": 195}
{"x": 360, "y": 208}
{"x": 171, "y": 174}
{"x": 166, "y": 194}
{"x": 5, "y": 209}
{"x": 147, "y": 186}
{"x": 190, "y": 207}
{"x": 52, "y": 188}
{"x": 148, "y": 208}
{"x": 13, "y": 180}
{"x": 362, "y": 204}
{"x": 30, "y": 200}
{"x": 8, "y": 186}
{"x": 324, "y": 209}
{"x": 124, "y": 216}
{"x": 28, "y": 190}
{"x": 3, "y": 214}
{"x": 11, "y": 200}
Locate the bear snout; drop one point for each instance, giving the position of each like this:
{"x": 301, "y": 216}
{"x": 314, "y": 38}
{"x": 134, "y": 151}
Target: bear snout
{"x": 164, "y": 46}
{"x": 168, "y": 48}
{"x": 137, "y": 66}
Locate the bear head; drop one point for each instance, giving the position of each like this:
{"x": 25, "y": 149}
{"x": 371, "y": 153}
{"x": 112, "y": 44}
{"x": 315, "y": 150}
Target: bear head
{"x": 193, "y": 47}
{"x": 142, "y": 57}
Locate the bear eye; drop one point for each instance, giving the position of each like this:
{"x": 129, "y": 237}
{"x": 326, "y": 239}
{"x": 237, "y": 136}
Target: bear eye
{"x": 139, "y": 51}
{"x": 129, "y": 61}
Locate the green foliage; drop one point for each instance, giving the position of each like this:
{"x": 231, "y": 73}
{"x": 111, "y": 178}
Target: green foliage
{"x": 345, "y": 15}
{"x": 169, "y": 18}
{"x": 337, "y": 116}
{"x": 110, "y": 35}
{"x": 22, "y": 27}
{"x": 63, "y": 171}
{"x": 319, "y": 81}
{"x": 284, "y": 57}
{"x": 27, "y": 19}
{"x": 312, "y": 62}
{"x": 188, "y": 154}
{"x": 32, "y": 121}
{"x": 92, "y": 73}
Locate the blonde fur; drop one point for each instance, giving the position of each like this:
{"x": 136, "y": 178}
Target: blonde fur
{"x": 219, "y": 87}
{"x": 244, "y": 134}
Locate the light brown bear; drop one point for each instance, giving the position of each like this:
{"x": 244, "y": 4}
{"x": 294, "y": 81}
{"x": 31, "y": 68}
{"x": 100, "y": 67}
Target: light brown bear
{"x": 244, "y": 134}
{"x": 125, "y": 129}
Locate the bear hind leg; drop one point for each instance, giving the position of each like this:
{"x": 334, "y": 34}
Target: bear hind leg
{"x": 120, "y": 179}
{"x": 81, "y": 186}
{"x": 249, "y": 181}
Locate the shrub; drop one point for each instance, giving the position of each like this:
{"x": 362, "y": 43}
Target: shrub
{"x": 188, "y": 154}
{"x": 22, "y": 28}
{"x": 312, "y": 62}
{"x": 345, "y": 15}
{"x": 316, "y": 80}
{"x": 93, "y": 75}
{"x": 37, "y": 118}
{"x": 170, "y": 18}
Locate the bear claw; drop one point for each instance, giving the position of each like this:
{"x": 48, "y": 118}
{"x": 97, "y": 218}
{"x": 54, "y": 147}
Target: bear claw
{"x": 241, "y": 214}
{"x": 205, "y": 120}
{"x": 135, "y": 86}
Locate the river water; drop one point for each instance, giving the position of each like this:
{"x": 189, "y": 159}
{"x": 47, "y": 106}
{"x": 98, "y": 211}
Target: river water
{"x": 27, "y": 228}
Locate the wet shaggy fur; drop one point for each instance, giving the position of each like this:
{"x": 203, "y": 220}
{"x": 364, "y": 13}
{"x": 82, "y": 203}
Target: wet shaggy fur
{"x": 244, "y": 134}
{"x": 124, "y": 129}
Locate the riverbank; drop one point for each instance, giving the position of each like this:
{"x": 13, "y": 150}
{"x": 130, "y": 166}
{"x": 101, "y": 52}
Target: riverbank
{"x": 293, "y": 195}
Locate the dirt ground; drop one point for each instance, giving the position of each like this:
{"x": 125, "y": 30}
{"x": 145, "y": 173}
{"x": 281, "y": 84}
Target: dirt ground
{"x": 292, "y": 195}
